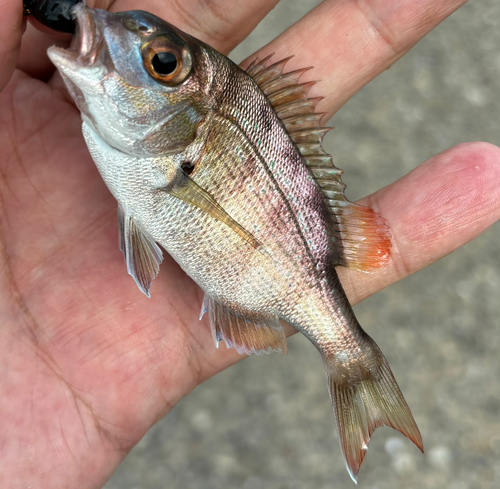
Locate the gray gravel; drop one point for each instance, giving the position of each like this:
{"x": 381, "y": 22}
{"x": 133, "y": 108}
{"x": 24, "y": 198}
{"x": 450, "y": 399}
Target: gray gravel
{"x": 267, "y": 423}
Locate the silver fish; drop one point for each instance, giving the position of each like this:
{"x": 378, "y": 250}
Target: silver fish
{"x": 224, "y": 169}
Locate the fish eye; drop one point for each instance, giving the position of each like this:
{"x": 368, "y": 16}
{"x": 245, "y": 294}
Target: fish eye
{"x": 166, "y": 61}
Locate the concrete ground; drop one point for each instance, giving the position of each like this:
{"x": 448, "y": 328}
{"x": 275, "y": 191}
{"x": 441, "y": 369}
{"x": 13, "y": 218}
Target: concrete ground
{"x": 266, "y": 423}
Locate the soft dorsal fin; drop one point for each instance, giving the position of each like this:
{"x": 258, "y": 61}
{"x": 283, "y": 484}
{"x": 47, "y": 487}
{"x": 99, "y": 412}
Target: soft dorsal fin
{"x": 363, "y": 234}
{"x": 247, "y": 335}
{"x": 142, "y": 255}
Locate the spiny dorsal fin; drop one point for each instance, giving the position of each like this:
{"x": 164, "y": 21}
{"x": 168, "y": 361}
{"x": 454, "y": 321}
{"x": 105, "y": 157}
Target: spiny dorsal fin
{"x": 363, "y": 233}
{"x": 247, "y": 335}
{"x": 257, "y": 66}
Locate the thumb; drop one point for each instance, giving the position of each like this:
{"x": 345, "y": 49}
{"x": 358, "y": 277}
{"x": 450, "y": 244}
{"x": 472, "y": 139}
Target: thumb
{"x": 12, "y": 26}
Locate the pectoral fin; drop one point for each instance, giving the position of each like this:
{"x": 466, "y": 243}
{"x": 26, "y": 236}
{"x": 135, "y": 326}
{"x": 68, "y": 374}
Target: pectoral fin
{"x": 189, "y": 191}
{"x": 142, "y": 255}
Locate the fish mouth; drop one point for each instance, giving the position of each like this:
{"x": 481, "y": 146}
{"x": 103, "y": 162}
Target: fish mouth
{"x": 83, "y": 64}
{"x": 87, "y": 41}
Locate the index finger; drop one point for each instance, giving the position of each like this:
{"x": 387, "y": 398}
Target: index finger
{"x": 350, "y": 42}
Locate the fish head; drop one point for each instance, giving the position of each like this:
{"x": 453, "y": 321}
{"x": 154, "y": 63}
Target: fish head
{"x": 140, "y": 83}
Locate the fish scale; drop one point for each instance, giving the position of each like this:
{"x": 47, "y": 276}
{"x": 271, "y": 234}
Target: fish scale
{"x": 279, "y": 157}
{"x": 224, "y": 169}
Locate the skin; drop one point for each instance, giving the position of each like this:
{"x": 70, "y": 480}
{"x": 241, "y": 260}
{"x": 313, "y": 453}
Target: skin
{"x": 87, "y": 363}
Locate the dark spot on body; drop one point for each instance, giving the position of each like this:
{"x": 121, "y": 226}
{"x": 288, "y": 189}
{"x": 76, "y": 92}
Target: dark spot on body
{"x": 187, "y": 167}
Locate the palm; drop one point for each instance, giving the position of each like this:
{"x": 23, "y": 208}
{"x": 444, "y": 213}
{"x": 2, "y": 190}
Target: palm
{"x": 90, "y": 363}
{"x": 106, "y": 355}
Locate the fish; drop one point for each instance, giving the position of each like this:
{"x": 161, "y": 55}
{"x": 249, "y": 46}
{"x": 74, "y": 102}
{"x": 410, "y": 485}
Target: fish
{"x": 224, "y": 169}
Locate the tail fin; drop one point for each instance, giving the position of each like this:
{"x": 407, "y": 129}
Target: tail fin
{"x": 365, "y": 395}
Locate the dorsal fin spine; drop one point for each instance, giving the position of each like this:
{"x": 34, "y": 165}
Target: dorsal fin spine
{"x": 320, "y": 161}
{"x": 289, "y": 79}
{"x": 257, "y": 66}
{"x": 364, "y": 236}
{"x": 313, "y": 150}
{"x": 298, "y": 107}
{"x": 322, "y": 172}
{"x": 271, "y": 71}
{"x": 289, "y": 94}
{"x": 303, "y": 122}
{"x": 311, "y": 135}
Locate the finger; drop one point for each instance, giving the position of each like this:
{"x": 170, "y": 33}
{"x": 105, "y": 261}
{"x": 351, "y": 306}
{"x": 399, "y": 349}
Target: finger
{"x": 221, "y": 23}
{"x": 441, "y": 205}
{"x": 11, "y": 28}
{"x": 433, "y": 210}
{"x": 350, "y": 42}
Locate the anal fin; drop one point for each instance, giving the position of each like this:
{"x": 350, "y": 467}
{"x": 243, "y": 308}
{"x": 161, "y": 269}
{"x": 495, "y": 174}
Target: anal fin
{"x": 256, "y": 334}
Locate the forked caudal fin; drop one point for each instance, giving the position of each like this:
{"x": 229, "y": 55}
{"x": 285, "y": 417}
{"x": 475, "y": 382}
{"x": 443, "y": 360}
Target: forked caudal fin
{"x": 365, "y": 395}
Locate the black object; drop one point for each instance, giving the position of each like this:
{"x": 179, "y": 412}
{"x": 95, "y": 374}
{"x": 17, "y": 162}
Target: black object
{"x": 164, "y": 63}
{"x": 55, "y": 14}
{"x": 187, "y": 167}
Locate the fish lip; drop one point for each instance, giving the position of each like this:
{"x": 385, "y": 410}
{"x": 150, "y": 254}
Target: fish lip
{"x": 79, "y": 65}
{"x": 84, "y": 33}
{"x": 87, "y": 40}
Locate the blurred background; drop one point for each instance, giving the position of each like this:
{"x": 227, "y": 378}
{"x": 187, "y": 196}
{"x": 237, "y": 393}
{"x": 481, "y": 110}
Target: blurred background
{"x": 267, "y": 422}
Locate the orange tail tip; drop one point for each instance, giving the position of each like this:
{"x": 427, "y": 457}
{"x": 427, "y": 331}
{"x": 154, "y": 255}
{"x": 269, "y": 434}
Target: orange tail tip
{"x": 365, "y": 395}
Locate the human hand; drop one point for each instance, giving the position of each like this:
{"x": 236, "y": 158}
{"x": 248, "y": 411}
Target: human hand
{"x": 88, "y": 362}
